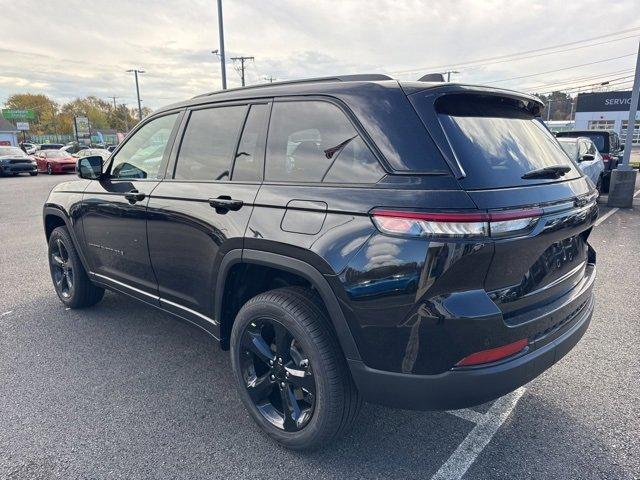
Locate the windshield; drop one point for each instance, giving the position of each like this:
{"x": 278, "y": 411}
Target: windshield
{"x": 11, "y": 151}
{"x": 497, "y": 141}
{"x": 596, "y": 138}
{"x": 570, "y": 148}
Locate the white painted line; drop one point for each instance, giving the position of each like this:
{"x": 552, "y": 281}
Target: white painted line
{"x": 479, "y": 437}
{"x": 6, "y": 313}
{"x": 466, "y": 414}
{"x": 611, "y": 212}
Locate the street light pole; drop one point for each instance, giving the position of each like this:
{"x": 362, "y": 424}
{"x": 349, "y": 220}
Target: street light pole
{"x": 221, "y": 34}
{"x": 136, "y": 72}
{"x": 623, "y": 178}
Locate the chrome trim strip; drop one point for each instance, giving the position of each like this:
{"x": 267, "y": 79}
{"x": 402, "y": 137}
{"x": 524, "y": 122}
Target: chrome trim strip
{"x": 137, "y": 290}
{"x": 193, "y": 312}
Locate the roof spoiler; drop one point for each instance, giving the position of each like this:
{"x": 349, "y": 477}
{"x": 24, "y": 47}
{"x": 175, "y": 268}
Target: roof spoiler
{"x": 432, "y": 77}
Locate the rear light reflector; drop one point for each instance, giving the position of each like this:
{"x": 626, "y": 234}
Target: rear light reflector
{"x": 493, "y": 354}
{"x": 456, "y": 224}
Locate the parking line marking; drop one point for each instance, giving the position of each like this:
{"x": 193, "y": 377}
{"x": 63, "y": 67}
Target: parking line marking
{"x": 479, "y": 437}
{"x": 611, "y": 212}
{"x": 467, "y": 414}
{"x": 6, "y": 313}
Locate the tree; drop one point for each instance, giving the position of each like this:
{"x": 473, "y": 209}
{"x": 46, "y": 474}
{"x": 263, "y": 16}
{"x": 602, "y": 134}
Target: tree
{"x": 560, "y": 105}
{"x": 46, "y": 110}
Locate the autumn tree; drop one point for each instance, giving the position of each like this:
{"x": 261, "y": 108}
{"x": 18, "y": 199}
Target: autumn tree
{"x": 45, "y": 108}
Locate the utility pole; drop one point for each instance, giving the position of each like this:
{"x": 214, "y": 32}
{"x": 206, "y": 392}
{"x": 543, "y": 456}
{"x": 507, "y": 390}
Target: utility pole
{"x": 221, "y": 34}
{"x": 114, "y": 103}
{"x": 136, "y": 72}
{"x": 449, "y": 72}
{"x": 623, "y": 178}
{"x": 549, "y": 110}
{"x": 242, "y": 60}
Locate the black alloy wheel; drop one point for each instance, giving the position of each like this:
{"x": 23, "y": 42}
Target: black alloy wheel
{"x": 62, "y": 269}
{"x": 49, "y": 170}
{"x": 278, "y": 376}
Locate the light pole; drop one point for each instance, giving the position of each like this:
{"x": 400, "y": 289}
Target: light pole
{"x": 449, "y": 72}
{"x": 623, "y": 178}
{"x": 549, "y": 110}
{"x": 221, "y": 34}
{"x": 137, "y": 71}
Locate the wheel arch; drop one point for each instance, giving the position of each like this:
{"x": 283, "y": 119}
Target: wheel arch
{"x": 296, "y": 267}
{"x": 55, "y": 216}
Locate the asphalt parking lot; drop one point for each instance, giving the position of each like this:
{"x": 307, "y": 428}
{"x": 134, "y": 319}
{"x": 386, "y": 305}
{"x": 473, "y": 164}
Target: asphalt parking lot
{"x": 124, "y": 391}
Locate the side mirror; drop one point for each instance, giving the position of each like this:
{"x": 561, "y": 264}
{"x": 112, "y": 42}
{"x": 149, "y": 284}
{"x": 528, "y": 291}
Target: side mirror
{"x": 90, "y": 168}
{"x": 587, "y": 157}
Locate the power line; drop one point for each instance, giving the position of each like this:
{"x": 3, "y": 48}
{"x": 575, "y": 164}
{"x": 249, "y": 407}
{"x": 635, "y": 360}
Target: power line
{"x": 576, "y": 79}
{"x": 500, "y": 57}
{"x": 561, "y": 69}
{"x": 614, "y": 81}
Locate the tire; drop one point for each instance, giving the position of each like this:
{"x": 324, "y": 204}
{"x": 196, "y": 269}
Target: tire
{"x": 69, "y": 277}
{"x": 49, "y": 170}
{"x": 605, "y": 184}
{"x": 335, "y": 401}
{"x": 33, "y": 174}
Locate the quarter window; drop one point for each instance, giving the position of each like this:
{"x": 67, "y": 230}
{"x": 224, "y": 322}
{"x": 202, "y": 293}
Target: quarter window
{"x": 208, "y": 143}
{"x": 141, "y": 156}
{"x": 313, "y": 141}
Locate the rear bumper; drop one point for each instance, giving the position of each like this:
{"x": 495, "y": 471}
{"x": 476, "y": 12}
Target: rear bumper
{"x": 461, "y": 388}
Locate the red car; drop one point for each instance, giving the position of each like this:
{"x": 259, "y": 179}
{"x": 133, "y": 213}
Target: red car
{"x": 55, "y": 161}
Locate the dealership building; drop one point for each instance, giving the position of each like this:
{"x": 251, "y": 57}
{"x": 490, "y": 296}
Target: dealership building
{"x": 606, "y": 111}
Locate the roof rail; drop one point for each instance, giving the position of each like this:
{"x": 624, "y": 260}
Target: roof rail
{"x": 368, "y": 77}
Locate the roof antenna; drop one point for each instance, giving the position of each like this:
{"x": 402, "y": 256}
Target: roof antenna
{"x": 432, "y": 77}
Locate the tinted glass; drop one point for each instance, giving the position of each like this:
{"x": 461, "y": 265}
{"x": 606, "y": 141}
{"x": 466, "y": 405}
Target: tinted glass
{"x": 355, "y": 164}
{"x": 141, "y": 156}
{"x": 306, "y": 139}
{"x": 498, "y": 141}
{"x": 250, "y": 153}
{"x": 208, "y": 143}
{"x": 56, "y": 154}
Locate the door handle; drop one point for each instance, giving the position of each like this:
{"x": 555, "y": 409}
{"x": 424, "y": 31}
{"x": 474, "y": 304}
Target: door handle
{"x": 224, "y": 203}
{"x": 134, "y": 196}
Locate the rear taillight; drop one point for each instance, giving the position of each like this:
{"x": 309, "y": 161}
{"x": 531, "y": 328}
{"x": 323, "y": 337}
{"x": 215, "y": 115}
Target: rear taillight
{"x": 493, "y": 354}
{"x": 456, "y": 225}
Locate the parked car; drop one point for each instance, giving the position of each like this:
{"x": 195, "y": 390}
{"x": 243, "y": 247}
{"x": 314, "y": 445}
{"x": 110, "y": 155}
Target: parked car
{"x": 50, "y": 146}
{"x": 55, "y": 161}
{"x": 13, "y": 161}
{"x": 348, "y": 239}
{"x": 111, "y": 148}
{"x": 29, "y": 148}
{"x": 607, "y": 143}
{"x": 584, "y": 152}
{"x": 73, "y": 148}
{"x": 90, "y": 152}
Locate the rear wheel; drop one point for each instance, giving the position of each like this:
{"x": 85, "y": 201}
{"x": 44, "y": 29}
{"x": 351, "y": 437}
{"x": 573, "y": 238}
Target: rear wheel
{"x": 69, "y": 277}
{"x": 291, "y": 374}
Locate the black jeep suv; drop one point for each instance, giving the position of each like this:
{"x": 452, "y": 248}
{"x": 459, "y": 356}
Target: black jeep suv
{"x": 420, "y": 245}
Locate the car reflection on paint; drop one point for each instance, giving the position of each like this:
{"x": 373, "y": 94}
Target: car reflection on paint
{"x": 385, "y": 286}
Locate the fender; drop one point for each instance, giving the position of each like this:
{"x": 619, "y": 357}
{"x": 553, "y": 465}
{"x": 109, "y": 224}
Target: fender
{"x": 57, "y": 211}
{"x": 297, "y": 267}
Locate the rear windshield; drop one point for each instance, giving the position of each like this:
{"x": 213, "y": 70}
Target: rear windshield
{"x": 497, "y": 140}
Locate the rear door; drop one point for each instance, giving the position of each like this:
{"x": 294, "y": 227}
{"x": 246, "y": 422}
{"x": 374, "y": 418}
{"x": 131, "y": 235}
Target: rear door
{"x": 201, "y": 210}
{"x": 493, "y": 141}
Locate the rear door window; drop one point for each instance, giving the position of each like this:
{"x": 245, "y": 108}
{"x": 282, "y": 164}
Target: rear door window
{"x": 314, "y": 141}
{"x": 206, "y": 152}
{"x": 497, "y": 141}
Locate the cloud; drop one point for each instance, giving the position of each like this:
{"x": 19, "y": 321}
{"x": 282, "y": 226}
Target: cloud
{"x": 70, "y": 48}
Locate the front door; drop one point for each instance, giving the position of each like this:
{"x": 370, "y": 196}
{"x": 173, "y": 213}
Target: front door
{"x": 114, "y": 210}
{"x": 201, "y": 210}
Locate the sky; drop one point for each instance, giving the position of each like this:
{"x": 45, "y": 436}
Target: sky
{"x": 69, "y": 48}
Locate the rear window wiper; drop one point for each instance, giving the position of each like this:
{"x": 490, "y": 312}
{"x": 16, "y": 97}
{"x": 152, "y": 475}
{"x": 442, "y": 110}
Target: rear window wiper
{"x": 555, "y": 171}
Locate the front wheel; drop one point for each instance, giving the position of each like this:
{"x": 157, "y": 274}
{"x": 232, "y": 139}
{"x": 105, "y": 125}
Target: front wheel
{"x": 33, "y": 174}
{"x": 291, "y": 374}
{"x": 69, "y": 277}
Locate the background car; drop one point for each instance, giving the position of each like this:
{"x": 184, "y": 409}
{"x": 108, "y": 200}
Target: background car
{"x": 29, "y": 148}
{"x": 51, "y": 146}
{"x": 584, "y": 152}
{"x": 73, "y": 148}
{"x": 55, "y": 161}
{"x": 14, "y": 161}
{"x": 607, "y": 143}
{"x": 90, "y": 152}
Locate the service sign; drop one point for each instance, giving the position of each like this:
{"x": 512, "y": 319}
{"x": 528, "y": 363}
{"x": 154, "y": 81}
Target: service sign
{"x": 22, "y": 126}
{"x": 604, "y": 102}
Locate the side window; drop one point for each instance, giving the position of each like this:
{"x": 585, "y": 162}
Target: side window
{"x": 141, "y": 156}
{"x": 250, "y": 154}
{"x": 208, "y": 143}
{"x": 582, "y": 149}
{"x": 313, "y": 141}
